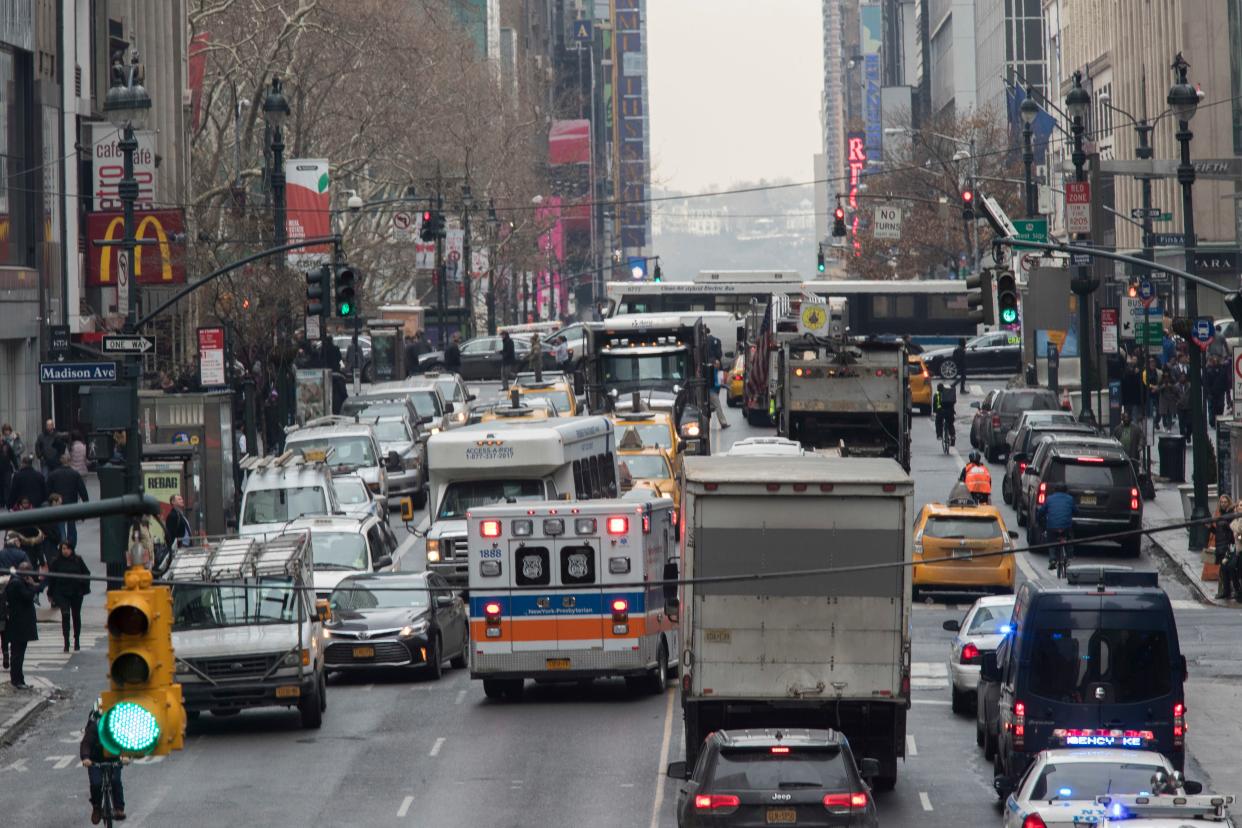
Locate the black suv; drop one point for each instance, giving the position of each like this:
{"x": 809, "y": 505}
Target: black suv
{"x": 1026, "y": 439}
{"x": 1105, "y": 488}
{"x": 1007, "y": 406}
{"x": 758, "y": 777}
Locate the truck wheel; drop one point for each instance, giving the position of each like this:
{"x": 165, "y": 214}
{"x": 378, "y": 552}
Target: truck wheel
{"x": 493, "y": 688}
{"x": 435, "y": 660}
{"x": 657, "y": 679}
{"x": 958, "y": 700}
{"x": 311, "y": 710}
{"x": 323, "y": 694}
{"x": 998, "y": 770}
{"x": 1017, "y": 507}
{"x": 513, "y": 689}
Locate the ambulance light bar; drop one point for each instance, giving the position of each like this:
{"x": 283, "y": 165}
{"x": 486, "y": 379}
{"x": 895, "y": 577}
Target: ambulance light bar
{"x": 618, "y": 525}
{"x": 490, "y": 529}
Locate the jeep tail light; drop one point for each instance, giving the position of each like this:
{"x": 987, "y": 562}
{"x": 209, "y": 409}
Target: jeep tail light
{"x": 852, "y": 801}
{"x": 1019, "y": 725}
{"x": 996, "y": 421}
{"x": 491, "y": 529}
{"x": 970, "y": 654}
{"x": 1043, "y": 494}
{"x": 724, "y": 803}
{"x": 1179, "y": 725}
{"x": 1134, "y": 499}
{"x": 618, "y": 525}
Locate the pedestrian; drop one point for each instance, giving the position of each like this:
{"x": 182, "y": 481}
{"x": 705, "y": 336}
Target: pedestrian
{"x": 330, "y": 353}
{"x": 1219, "y": 347}
{"x": 508, "y": 359}
{"x": 30, "y": 538}
{"x": 9, "y": 460}
{"x": 1130, "y": 436}
{"x": 1169, "y": 393}
{"x": 91, "y": 752}
{"x": 23, "y": 627}
{"x": 1183, "y": 406}
{"x": 27, "y": 483}
{"x": 562, "y": 354}
{"x": 11, "y": 557}
{"x": 1222, "y": 541}
{"x": 53, "y": 534}
{"x": 535, "y": 358}
{"x": 452, "y": 355}
{"x": 410, "y": 352}
{"x": 1151, "y": 378}
{"x": 79, "y": 453}
{"x": 141, "y": 550}
{"x": 1168, "y": 350}
{"x": 713, "y": 396}
{"x": 66, "y": 482}
{"x": 66, "y": 594}
{"x": 354, "y": 358}
{"x": 959, "y": 361}
{"x": 49, "y": 447}
{"x": 177, "y": 533}
{"x": 1132, "y": 389}
{"x": 1217, "y": 381}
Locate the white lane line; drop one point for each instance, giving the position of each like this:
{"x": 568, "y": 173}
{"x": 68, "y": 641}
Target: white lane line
{"x": 660, "y": 777}
{"x": 911, "y": 748}
{"x": 405, "y": 806}
{"x": 461, "y": 697}
{"x": 938, "y": 702}
{"x": 435, "y": 749}
{"x": 1028, "y": 568}
{"x": 924, "y": 801}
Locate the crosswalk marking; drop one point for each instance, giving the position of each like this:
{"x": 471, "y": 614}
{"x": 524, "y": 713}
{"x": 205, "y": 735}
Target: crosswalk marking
{"x": 48, "y": 653}
{"x": 929, "y": 675}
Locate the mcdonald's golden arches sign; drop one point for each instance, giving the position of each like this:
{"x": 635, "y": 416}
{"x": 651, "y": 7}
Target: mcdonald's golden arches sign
{"x": 158, "y": 263}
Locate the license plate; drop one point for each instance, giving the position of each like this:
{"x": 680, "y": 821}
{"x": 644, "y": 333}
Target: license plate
{"x": 558, "y": 664}
{"x": 288, "y": 692}
{"x": 364, "y": 652}
{"x": 963, "y": 553}
{"x": 782, "y": 816}
{"x": 1088, "y": 500}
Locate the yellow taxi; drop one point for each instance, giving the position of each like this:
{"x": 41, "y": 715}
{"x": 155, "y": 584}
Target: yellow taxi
{"x": 649, "y": 467}
{"x": 654, "y": 428}
{"x": 920, "y": 384}
{"x": 553, "y": 386}
{"x": 947, "y": 539}
{"x": 735, "y": 381}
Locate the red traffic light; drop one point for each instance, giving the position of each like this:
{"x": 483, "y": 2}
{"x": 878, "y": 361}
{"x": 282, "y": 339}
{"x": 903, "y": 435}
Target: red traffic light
{"x": 968, "y": 196}
{"x": 426, "y": 215}
{"x": 839, "y": 214}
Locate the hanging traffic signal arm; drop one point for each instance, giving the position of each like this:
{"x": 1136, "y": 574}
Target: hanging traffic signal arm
{"x": 1007, "y": 297}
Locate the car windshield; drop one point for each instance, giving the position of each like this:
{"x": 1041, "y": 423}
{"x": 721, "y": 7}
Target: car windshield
{"x": 646, "y": 466}
{"x": 355, "y": 596}
{"x": 762, "y": 770}
{"x": 1079, "y": 656}
{"x": 470, "y": 494}
{"x": 643, "y": 371}
{"x": 653, "y": 435}
{"x": 990, "y": 619}
{"x": 962, "y": 528}
{"x": 237, "y": 604}
{"x": 1015, "y": 401}
{"x": 1091, "y": 475}
{"x": 449, "y": 389}
{"x": 392, "y": 431}
{"x": 347, "y": 451}
{"x": 350, "y": 491}
{"x": 1087, "y": 780}
{"x": 339, "y": 550}
{"x": 280, "y": 505}
{"x": 560, "y": 399}
{"x": 426, "y": 403}
{"x": 373, "y": 408}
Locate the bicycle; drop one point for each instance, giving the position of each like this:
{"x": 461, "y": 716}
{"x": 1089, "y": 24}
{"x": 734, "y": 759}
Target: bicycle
{"x": 946, "y": 438}
{"x": 106, "y": 807}
{"x": 1063, "y": 551}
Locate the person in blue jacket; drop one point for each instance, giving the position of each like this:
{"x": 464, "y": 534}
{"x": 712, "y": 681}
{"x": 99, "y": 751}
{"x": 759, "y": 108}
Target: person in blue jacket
{"x": 1056, "y": 515}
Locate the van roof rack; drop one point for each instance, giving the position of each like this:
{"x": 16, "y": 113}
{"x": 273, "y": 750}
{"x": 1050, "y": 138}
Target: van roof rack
{"x": 1104, "y": 575}
{"x": 237, "y": 558}
{"x": 287, "y": 458}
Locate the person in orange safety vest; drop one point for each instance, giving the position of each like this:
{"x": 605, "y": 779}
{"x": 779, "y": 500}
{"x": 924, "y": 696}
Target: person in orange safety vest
{"x": 977, "y": 478}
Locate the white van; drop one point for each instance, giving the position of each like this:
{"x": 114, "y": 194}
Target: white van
{"x": 282, "y": 489}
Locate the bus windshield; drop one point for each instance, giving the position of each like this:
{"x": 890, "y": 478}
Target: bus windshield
{"x": 469, "y": 494}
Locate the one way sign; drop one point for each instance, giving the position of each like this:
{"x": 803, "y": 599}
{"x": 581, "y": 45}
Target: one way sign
{"x": 126, "y": 344}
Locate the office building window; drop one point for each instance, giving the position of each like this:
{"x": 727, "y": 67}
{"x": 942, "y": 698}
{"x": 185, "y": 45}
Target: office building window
{"x": 17, "y": 180}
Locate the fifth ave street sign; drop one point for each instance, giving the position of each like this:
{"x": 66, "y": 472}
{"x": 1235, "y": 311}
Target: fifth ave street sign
{"x": 126, "y": 344}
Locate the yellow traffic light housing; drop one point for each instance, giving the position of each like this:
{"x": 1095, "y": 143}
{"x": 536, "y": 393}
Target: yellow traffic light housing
{"x": 143, "y": 711}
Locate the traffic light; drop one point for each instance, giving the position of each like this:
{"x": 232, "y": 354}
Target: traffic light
{"x": 1132, "y": 289}
{"x": 968, "y": 204}
{"x": 438, "y": 225}
{"x": 142, "y": 713}
{"x": 838, "y": 221}
{"x": 317, "y": 279}
{"x": 427, "y": 231}
{"x": 1007, "y": 297}
{"x": 345, "y": 299}
{"x": 819, "y": 259}
{"x": 657, "y": 275}
{"x": 1233, "y": 301}
{"x": 979, "y": 298}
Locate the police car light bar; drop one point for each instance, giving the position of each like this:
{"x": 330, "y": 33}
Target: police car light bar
{"x": 1080, "y": 737}
{"x": 1213, "y": 807}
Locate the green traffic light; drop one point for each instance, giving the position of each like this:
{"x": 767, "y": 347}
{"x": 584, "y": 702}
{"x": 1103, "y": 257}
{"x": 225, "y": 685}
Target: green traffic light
{"x": 1009, "y": 315}
{"x": 820, "y": 267}
{"x": 345, "y": 309}
{"x": 129, "y": 728}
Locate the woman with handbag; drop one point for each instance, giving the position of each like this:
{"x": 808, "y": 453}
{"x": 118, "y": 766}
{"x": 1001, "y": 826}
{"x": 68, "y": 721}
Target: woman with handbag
{"x": 1222, "y": 538}
{"x": 67, "y": 593}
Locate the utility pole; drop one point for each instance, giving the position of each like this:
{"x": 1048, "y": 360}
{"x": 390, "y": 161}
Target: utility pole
{"x": 441, "y": 280}
{"x": 1077, "y": 103}
{"x": 467, "y": 201}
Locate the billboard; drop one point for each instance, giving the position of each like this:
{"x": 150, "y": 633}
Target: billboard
{"x": 162, "y": 263}
{"x": 872, "y": 109}
{"x": 307, "y": 204}
{"x": 108, "y": 167}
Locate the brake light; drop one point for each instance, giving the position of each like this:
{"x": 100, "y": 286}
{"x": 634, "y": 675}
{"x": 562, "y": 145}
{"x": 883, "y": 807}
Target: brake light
{"x": 797, "y": 372}
{"x": 774, "y": 487}
{"x": 879, "y": 372}
{"x": 1043, "y": 494}
{"x": 1134, "y": 499}
{"x": 618, "y": 525}
{"x": 996, "y": 421}
{"x": 1034, "y": 821}
{"x": 715, "y": 802}
{"x": 926, "y": 375}
{"x": 737, "y": 377}
{"x": 491, "y": 529}
{"x": 780, "y": 749}
{"x": 1179, "y": 725}
{"x": 1090, "y": 459}
{"x": 846, "y": 800}
{"x": 620, "y": 606}
{"x": 1019, "y": 725}
{"x": 970, "y": 654}
{"x": 1021, "y": 468}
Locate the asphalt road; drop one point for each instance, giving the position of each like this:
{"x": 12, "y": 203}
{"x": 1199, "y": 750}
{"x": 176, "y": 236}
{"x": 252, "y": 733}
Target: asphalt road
{"x": 400, "y": 750}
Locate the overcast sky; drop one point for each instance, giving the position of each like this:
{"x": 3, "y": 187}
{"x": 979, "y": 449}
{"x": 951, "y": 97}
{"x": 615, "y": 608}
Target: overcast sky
{"x": 734, "y": 90}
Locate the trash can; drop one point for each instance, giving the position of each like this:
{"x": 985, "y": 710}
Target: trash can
{"x": 1172, "y": 450}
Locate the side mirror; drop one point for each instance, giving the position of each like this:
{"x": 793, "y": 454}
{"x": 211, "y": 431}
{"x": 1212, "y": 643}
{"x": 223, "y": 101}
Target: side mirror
{"x": 869, "y": 768}
{"x": 471, "y": 397}
{"x": 952, "y": 625}
{"x": 393, "y": 462}
{"x": 678, "y": 770}
{"x": 974, "y": 404}
{"x": 323, "y": 610}
{"x": 424, "y": 420}
{"x": 1031, "y": 470}
{"x": 1020, "y": 457}
{"x": 1192, "y": 787}
{"x": 448, "y": 408}
{"x": 383, "y": 562}
{"x": 989, "y": 669}
{"x": 443, "y": 602}
{"x": 1013, "y": 533}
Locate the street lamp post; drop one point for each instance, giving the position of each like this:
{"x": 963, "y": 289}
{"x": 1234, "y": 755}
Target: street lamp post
{"x": 1077, "y": 103}
{"x": 1029, "y": 111}
{"x": 128, "y": 107}
{"x": 467, "y": 203}
{"x": 275, "y": 112}
{"x": 493, "y": 224}
{"x": 1183, "y": 99}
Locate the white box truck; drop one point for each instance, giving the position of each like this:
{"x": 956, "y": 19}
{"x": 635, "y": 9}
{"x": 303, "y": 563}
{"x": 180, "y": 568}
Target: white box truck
{"x": 830, "y": 650}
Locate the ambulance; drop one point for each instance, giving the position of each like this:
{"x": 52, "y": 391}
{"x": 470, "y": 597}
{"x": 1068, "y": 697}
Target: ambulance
{"x": 570, "y": 591}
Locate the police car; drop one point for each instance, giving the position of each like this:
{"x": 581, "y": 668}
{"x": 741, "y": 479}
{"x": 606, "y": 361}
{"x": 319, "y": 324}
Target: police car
{"x": 1061, "y": 786}
{"x": 1201, "y": 811}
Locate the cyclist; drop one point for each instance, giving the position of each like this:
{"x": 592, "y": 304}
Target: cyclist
{"x": 1056, "y": 515}
{"x": 942, "y": 403}
{"x": 92, "y": 753}
{"x": 977, "y": 478}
